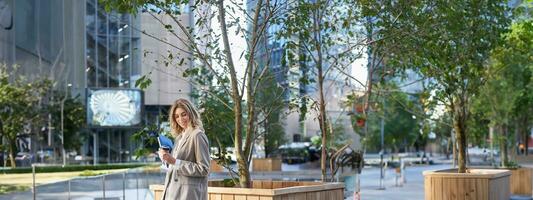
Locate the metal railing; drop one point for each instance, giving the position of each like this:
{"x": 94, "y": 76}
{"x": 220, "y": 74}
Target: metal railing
{"x": 130, "y": 184}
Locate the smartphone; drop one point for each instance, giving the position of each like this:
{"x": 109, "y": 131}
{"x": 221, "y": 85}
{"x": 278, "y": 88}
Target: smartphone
{"x": 165, "y": 148}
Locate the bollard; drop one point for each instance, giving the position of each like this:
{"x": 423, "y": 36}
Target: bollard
{"x": 124, "y": 186}
{"x": 357, "y": 192}
{"x": 137, "y": 182}
{"x": 34, "y": 190}
{"x": 69, "y": 189}
{"x": 397, "y": 178}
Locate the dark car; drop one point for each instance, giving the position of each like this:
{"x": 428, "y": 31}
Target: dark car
{"x": 23, "y": 159}
{"x": 296, "y": 152}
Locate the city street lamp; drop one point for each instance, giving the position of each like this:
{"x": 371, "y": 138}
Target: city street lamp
{"x": 63, "y": 152}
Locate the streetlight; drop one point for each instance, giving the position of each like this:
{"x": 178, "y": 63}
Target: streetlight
{"x": 62, "y": 125}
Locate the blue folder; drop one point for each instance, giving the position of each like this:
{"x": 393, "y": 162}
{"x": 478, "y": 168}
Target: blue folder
{"x": 165, "y": 142}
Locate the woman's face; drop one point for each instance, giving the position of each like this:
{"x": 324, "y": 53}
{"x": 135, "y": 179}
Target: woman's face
{"x": 182, "y": 118}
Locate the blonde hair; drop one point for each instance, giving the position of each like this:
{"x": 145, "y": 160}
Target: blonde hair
{"x": 191, "y": 111}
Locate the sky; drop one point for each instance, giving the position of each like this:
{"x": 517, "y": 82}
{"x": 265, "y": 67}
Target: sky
{"x": 238, "y": 45}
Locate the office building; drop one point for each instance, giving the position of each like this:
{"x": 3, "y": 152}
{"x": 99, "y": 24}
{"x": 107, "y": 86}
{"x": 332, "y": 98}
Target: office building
{"x": 80, "y": 47}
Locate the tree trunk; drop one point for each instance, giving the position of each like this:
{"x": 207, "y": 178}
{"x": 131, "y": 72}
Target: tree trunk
{"x": 447, "y": 149}
{"x": 244, "y": 173}
{"x": 322, "y": 122}
{"x": 503, "y": 146}
{"x": 265, "y": 140}
{"x": 2, "y": 142}
{"x": 321, "y": 102}
{"x": 460, "y": 135}
{"x": 12, "y": 154}
{"x": 525, "y": 131}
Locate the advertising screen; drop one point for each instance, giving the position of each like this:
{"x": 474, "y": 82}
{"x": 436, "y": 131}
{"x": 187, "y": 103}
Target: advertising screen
{"x": 114, "y": 107}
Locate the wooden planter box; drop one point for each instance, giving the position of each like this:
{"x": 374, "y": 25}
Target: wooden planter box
{"x": 480, "y": 184}
{"x": 271, "y": 190}
{"x": 522, "y": 181}
{"x": 266, "y": 164}
{"x": 215, "y": 167}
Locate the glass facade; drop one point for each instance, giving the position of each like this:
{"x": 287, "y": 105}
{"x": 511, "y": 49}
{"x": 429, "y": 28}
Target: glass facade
{"x": 112, "y": 61}
{"x": 75, "y": 43}
{"x": 111, "y": 48}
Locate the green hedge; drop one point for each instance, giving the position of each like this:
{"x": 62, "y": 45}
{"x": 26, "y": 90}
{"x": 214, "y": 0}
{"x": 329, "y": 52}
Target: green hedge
{"x": 69, "y": 168}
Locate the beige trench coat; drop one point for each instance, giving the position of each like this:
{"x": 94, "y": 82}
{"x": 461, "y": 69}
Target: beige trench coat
{"x": 188, "y": 179}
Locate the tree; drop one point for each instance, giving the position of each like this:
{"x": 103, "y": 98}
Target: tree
{"x": 217, "y": 120}
{"x": 323, "y": 39}
{"x": 18, "y": 106}
{"x": 270, "y": 106}
{"x": 449, "y": 43}
{"x": 443, "y": 130}
{"x": 214, "y": 50}
{"x": 401, "y": 129}
{"x": 505, "y": 100}
{"x": 74, "y": 119}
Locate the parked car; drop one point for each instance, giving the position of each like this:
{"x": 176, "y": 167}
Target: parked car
{"x": 229, "y": 152}
{"x": 296, "y": 152}
{"x": 23, "y": 159}
{"x": 476, "y": 151}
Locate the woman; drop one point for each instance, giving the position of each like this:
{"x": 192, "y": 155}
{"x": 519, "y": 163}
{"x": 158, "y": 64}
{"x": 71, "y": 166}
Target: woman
{"x": 189, "y": 161}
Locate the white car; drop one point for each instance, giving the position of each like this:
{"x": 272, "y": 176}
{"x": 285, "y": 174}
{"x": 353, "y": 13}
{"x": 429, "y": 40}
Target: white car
{"x": 476, "y": 151}
{"x": 229, "y": 150}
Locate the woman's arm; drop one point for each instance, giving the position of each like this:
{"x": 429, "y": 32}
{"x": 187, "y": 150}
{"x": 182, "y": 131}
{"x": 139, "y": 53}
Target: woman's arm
{"x": 200, "y": 168}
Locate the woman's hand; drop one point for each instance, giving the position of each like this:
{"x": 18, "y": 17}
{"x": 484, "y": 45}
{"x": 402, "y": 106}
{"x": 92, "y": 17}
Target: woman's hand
{"x": 165, "y": 156}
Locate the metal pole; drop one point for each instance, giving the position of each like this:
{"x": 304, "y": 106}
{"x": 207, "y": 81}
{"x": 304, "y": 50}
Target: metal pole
{"x": 34, "y": 190}
{"x": 357, "y": 195}
{"x": 123, "y": 185}
{"x": 63, "y": 132}
{"x": 95, "y": 148}
{"x": 50, "y": 129}
{"x": 137, "y": 181}
{"x": 491, "y": 138}
{"x": 382, "y": 151}
{"x": 103, "y": 186}
{"x": 69, "y": 189}
{"x": 108, "y": 146}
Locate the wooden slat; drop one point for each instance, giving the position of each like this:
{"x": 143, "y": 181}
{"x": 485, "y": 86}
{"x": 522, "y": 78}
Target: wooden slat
{"x": 251, "y": 197}
{"x": 265, "y": 198}
{"x": 239, "y": 197}
{"x": 286, "y": 197}
{"x": 340, "y": 193}
{"x": 267, "y": 185}
{"x": 313, "y": 196}
{"x": 332, "y": 194}
{"x": 323, "y": 194}
{"x": 521, "y": 181}
{"x": 277, "y": 184}
{"x": 228, "y": 197}
{"x": 257, "y": 184}
{"x": 277, "y": 197}
{"x": 215, "y": 197}
{"x": 428, "y": 187}
{"x": 266, "y": 164}
{"x": 300, "y": 196}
